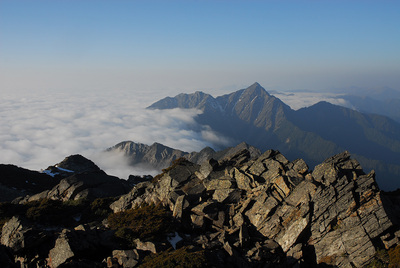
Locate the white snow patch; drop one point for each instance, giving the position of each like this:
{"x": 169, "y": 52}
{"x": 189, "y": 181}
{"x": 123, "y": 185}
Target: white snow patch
{"x": 66, "y": 170}
{"x": 78, "y": 217}
{"x": 48, "y": 172}
{"x": 174, "y": 240}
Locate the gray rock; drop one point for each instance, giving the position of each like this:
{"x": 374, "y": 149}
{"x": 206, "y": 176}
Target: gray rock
{"x": 134, "y": 197}
{"x": 61, "y": 252}
{"x": 13, "y": 234}
{"x": 126, "y": 258}
{"x": 146, "y": 246}
{"x": 180, "y": 204}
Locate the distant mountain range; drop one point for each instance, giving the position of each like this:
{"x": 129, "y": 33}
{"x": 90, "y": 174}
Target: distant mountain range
{"x": 158, "y": 156}
{"x": 314, "y": 133}
{"x": 388, "y": 107}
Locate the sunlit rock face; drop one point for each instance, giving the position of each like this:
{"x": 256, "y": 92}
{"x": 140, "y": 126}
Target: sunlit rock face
{"x": 335, "y": 211}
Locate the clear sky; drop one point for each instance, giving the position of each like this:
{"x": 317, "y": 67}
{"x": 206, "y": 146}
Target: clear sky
{"x": 191, "y": 45}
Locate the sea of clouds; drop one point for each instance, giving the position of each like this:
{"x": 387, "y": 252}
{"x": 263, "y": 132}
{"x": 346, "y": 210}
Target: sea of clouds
{"x": 39, "y": 130}
{"x": 300, "y": 99}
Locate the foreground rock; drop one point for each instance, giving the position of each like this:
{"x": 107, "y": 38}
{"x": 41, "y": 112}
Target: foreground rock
{"x": 239, "y": 211}
{"x": 270, "y": 209}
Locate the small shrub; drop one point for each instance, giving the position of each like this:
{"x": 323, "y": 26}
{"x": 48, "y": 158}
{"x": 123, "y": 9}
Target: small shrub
{"x": 330, "y": 260}
{"x": 45, "y": 211}
{"x": 100, "y": 207}
{"x": 394, "y": 257}
{"x": 180, "y": 258}
{"x": 146, "y": 222}
{"x": 376, "y": 264}
{"x": 55, "y": 212}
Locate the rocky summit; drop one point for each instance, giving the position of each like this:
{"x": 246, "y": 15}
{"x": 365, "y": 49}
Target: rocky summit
{"x": 236, "y": 212}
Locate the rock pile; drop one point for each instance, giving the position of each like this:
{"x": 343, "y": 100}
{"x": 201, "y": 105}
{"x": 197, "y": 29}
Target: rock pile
{"x": 238, "y": 212}
{"x": 270, "y": 209}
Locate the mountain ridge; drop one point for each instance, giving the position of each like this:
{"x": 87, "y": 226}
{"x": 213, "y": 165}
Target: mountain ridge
{"x": 158, "y": 156}
{"x": 254, "y": 116}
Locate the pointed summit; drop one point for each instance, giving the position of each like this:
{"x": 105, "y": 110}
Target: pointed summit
{"x": 255, "y": 90}
{"x": 255, "y": 86}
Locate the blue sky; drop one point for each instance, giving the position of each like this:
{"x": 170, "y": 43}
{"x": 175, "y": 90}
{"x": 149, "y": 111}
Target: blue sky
{"x": 87, "y": 69}
{"x": 191, "y": 45}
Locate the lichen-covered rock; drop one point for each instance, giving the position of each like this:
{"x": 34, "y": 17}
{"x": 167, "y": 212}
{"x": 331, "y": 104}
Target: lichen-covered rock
{"x": 61, "y": 252}
{"x": 13, "y": 234}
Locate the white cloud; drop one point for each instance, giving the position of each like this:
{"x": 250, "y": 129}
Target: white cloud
{"x": 41, "y": 130}
{"x": 298, "y": 99}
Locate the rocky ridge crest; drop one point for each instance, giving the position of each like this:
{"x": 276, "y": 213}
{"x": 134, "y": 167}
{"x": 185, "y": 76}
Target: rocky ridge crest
{"x": 253, "y": 209}
{"x": 239, "y": 211}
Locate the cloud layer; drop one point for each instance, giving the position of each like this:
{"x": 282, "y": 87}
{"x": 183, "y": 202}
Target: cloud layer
{"x": 300, "y": 99}
{"x": 41, "y": 130}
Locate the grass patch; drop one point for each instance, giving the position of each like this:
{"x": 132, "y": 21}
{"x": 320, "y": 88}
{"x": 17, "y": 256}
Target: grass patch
{"x": 180, "y": 258}
{"x": 147, "y": 222}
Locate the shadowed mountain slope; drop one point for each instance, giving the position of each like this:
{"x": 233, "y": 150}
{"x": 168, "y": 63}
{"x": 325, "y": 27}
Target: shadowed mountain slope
{"x": 314, "y": 133}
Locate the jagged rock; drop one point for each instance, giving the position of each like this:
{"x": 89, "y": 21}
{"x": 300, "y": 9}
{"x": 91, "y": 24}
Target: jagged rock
{"x": 61, "y": 252}
{"x": 237, "y": 159}
{"x": 292, "y": 233}
{"x": 20, "y": 236}
{"x": 334, "y": 209}
{"x": 206, "y": 168}
{"x": 29, "y": 243}
{"x": 13, "y": 234}
{"x": 126, "y": 258}
{"x": 296, "y": 253}
{"x": 347, "y": 216}
{"x": 112, "y": 263}
{"x": 84, "y": 185}
{"x": 134, "y": 197}
{"x": 244, "y": 182}
{"x": 180, "y": 204}
{"x": 150, "y": 246}
{"x": 258, "y": 212}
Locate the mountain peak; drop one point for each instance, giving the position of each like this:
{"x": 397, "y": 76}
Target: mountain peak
{"x": 78, "y": 164}
{"x": 255, "y": 84}
{"x": 254, "y": 91}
